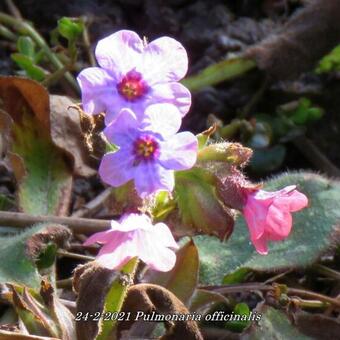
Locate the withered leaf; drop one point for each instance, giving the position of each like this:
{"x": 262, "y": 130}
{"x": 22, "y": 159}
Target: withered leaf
{"x": 36, "y": 244}
{"x": 91, "y": 280}
{"x": 67, "y": 134}
{"x": 149, "y": 298}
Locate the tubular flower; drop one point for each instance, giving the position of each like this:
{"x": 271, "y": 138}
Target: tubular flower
{"x": 268, "y": 214}
{"x": 134, "y": 74}
{"x": 149, "y": 149}
{"x": 135, "y": 235}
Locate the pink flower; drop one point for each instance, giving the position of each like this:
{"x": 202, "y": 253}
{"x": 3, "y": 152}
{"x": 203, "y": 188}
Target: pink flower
{"x": 134, "y": 235}
{"x": 134, "y": 74}
{"x": 268, "y": 214}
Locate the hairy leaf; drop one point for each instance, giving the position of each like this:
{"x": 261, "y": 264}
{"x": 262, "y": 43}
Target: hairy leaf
{"x": 273, "y": 325}
{"x": 22, "y": 250}
{"x": 45, "y": 180}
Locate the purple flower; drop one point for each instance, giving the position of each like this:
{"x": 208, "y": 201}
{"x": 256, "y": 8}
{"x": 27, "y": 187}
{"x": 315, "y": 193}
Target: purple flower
{"x": 134, "y": 235}
{"x": 134, "y": 74}
{"x": 149, "y": 149}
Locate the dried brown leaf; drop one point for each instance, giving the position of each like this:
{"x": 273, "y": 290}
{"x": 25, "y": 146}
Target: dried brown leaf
{"x": 91, "y": 280}
{"x": 66, "y": 133}
{"x": 149, "y": 298}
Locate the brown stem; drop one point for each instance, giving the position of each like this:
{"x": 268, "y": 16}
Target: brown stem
{"x": 13, "y": 9}
{"x": 64, "y": 253}
{"x": 259, "y": 286}
{"x": 78, "y": 225}
{"x": 316, "y": 157}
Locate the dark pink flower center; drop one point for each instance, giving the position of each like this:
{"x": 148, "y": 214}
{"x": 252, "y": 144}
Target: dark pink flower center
{"x": 145, "y": 148}
{"x": 132, "y": 86}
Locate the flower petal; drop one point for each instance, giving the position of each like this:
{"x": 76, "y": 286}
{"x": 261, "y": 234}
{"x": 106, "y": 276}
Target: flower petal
{"x": 151, "y": 177}
{"x": 120, "y": 52}
{"x": 163, "y": 119}
{"x": 179, "y": 152}
{"x": 163, "y": 235}
{"x": 116, "y": 257}
{"x": 279, "y": 222}
{"x": 255, "y": 215}
{"x": 122, "y": 129}
{"x": 295, "y": 200}
{"x": 96, "y": 89}
{"x": 164, "y": 60}
{"x": 172, "y": 93}
{"x": 100, "y": 237}
{"x": 153, "y": 252}
{"x": 261, "y": 245}
{"x": 116, "y": 168}
{"x": 131, "y": 222}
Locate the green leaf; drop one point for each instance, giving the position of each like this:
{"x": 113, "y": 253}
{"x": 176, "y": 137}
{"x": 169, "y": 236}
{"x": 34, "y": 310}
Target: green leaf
{"x": 331, "y": 62}
{"x": 17, "y": 267}
{"x": 237, "y": 276}
{"x": 183, "y": 278}
{"x": 45, "y": 180}
{"x": 20, "y": 252}
{"x": 25, "y": 46}
{"x": 219, "y": 72}
{"x": 5, "y": 202}
{"x": 243, "y": 310}
{"x": 272, "y": 325}
{"x": 34, "y": 72}
{"x": 70, "y": 28}
{"x": 115, "y": 298}
{"x": 302, "y": 112}
{"x": 315, "y": 231}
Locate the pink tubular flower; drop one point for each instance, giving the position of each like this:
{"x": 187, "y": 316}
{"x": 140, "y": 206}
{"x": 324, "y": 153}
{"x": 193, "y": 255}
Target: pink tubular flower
{"x": 133, "y": 74}
{"x": 268, "y": 214}
{"x": 134, "y": 235}
{"x": 149, "y": 149}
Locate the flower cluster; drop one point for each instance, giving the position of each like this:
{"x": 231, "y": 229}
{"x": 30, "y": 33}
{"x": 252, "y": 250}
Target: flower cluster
{"x": 137, "y": 88}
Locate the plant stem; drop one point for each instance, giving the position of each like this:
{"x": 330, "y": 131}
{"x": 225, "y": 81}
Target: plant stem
{"x": 316, "y": 156}
{"x": 14, "y": 9}
{"x": 323, "y": 270}
{"x": 55, "y": 76}
{"x": 78, "y": 225}
{"x": 87, "y": 43}
{"x": 262, "y": 287}
{"x": 6, "y": 33}
{"x": 24, "y": 27}
{"x": 65, "y": 253}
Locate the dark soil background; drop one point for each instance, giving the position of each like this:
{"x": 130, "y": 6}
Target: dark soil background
{"x": 210, "y": 31}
